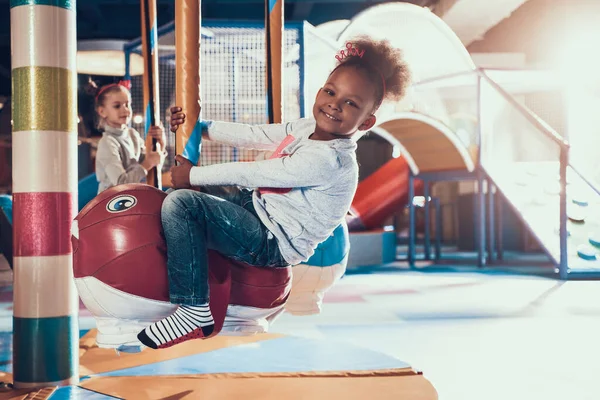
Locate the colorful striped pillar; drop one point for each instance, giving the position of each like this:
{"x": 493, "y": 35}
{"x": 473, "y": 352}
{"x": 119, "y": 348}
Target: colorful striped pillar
{"x": 274, "y": 28}
{"x": 151, "y": 86}
{"x": 44, "y": 111}
{"x": 188, "y": 22}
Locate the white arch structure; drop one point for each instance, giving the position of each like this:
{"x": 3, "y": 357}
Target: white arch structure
{"x": 426, "y": 143}
{"x": 430, "y": 47}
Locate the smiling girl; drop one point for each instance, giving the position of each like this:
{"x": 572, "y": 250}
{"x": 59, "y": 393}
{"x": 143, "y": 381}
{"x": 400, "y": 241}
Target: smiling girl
{"x": 122, "y": 156}
{"x": 275, "y": 211}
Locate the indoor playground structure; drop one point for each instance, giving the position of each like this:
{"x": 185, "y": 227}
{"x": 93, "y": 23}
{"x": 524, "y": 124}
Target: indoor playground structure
{"x": 458, "y": 123}
{"x": 465, "y": 123}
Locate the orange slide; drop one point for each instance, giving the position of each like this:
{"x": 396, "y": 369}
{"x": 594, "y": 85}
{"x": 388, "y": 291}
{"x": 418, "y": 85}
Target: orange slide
{"x": 381, "y": 194}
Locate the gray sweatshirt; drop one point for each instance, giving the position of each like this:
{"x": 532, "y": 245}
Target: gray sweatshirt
{"x": 120, "y": 152}
{"x": 302, "y": 193}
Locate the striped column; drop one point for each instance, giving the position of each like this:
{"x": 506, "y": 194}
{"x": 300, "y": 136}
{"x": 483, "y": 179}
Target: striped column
{"x": 44, "y": 111}
{"x": 188, "y": 22}
{"x": 274, "y": 28}
{"x": 151, "y": 92}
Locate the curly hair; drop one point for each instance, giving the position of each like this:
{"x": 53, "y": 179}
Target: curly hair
{"x": 383, "y": 64}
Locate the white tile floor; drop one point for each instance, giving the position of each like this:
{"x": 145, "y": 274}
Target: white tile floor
{"x": 474, "y": 336}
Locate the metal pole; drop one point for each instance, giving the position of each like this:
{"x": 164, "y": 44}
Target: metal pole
{"x": 127, "y": 75}
{"x": 302, "y": 68}
{"x": 151, "y": 86}
{"x": 492, "y": 223}
{"x": 438, "y": 229}
{"x": 426, "y": 204}
{"x": 274, "y": 31}
{"x": 480, "y": 219}
{"x": 500, "y": 229}
{"x": 412, "y": 232}
{"x": 188, "y": 20}
{"x": 564, "y": 257}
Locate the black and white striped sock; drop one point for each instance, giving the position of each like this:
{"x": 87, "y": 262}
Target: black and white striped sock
{"x": 177, "y": 327}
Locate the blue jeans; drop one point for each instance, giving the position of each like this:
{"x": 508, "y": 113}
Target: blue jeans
{"x": 221, "y": 219}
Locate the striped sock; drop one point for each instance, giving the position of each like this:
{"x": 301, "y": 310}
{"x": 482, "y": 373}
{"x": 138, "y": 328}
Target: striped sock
{"x": 188, "y": 322}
